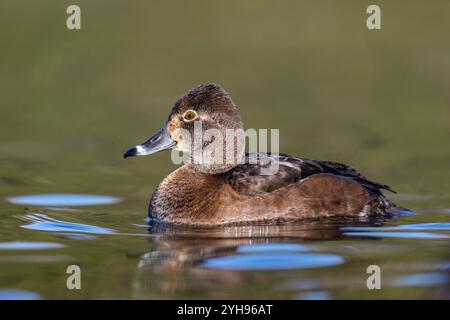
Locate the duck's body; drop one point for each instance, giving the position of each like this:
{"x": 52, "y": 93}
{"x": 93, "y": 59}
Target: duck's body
{"x": 208, "y": 194}
{"x": 301, "y": 189}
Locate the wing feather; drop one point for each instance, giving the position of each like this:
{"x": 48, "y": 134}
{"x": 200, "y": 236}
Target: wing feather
{"x": 248, "y": 179}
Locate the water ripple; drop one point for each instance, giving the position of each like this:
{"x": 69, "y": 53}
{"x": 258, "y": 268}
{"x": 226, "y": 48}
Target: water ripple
{"x": 420, "y": 280}
{"x": 442, "y": 266}
{"x": 277, "y": 247}
{"x": 272, "y": 257}
{"x": 16, "y": 294}
{"x": 391, "y": 231}
{"x": 28, "y": 245}
{"x": 61, "y": 199}
{"x": 277, "y": 261}
{"x": 418, "y": 226}
{"x": 42, "y": 222}
{"x": 409, "y": 235}
{"x": 314, "y": 295}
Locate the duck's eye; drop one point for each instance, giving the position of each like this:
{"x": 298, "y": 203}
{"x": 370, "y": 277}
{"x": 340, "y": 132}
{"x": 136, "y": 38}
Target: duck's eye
{"x": 190, "y": 115}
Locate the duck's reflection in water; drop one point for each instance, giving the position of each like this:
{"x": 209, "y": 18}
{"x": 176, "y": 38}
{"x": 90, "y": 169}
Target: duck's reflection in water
{"x": 226, "y": 262}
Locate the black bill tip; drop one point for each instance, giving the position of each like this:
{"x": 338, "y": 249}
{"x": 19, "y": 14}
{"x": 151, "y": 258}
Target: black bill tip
{"x": 130, "y": 152}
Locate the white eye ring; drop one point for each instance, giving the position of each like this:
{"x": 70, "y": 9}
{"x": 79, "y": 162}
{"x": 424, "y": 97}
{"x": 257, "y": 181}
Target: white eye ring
{"x": 190, "y": 115}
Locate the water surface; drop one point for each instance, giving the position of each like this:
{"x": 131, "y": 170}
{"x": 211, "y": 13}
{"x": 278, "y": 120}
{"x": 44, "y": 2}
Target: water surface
{"x": 72, "y": 102}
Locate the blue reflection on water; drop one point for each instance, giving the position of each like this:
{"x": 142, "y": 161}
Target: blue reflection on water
{"x": 442, "y": 266}
{"x": 272, "y": 247}
{"x": 273, "y": 261}
{"x": 314, "y": 295}
{"x": 419, "y": 226}
{"x": 409, "y": 235}
{"x": 63, "y": 209}
{"x": 61, "y": 199}
{"x": 305, "y": 284}
{"x": 420, "y": 279}
{"x": 28, "y": 245}
{"x": 391, "y": 231}
{"x": 43, "y": 222}
{"x": 78, "y": 236}
{"x": 15, "y": 294}
{"x": 273, "y": 257}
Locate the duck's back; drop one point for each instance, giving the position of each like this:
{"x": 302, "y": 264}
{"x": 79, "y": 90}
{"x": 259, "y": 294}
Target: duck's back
{"x": 255, "y": 176}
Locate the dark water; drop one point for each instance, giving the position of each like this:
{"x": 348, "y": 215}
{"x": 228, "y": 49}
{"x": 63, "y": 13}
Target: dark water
{"x": 73, "y": 101}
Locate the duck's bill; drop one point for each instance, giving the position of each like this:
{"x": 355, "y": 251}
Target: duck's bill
{"x": 158, "y": 142}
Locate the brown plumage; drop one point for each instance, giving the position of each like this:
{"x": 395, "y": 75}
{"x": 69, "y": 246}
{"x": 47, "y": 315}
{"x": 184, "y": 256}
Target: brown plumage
{"x": 212, "y": 194}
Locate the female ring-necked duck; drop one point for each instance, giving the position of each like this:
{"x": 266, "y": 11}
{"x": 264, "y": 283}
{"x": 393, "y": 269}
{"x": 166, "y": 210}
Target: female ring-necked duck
{"x": 210, "y": 193}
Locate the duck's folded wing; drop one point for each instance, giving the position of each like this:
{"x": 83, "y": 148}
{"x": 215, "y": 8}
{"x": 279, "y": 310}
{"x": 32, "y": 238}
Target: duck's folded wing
{"x": 250, "y": 178}
{"x": 348, "y": 171}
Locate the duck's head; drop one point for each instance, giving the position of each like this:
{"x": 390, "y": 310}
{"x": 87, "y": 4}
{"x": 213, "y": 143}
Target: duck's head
{"x": 207, "y": 106}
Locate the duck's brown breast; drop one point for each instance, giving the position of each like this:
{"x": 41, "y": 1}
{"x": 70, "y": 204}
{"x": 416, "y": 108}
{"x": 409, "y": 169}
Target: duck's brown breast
{"x": 187, "y": 197}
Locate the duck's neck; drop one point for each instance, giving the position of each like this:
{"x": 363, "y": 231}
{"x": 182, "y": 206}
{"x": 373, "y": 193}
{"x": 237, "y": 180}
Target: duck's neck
{"x": 211, "y": 169}
{"x": 211, "y": 165}
{"x": 226, "y": 156}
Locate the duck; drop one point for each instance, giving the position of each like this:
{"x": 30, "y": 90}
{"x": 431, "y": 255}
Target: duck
{"x": 214, "y": 193}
